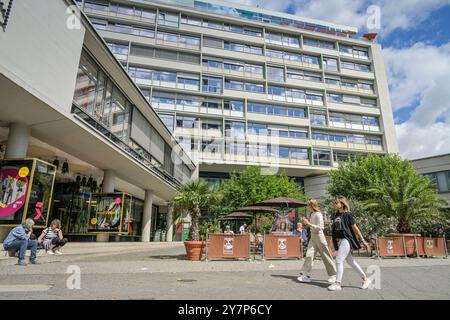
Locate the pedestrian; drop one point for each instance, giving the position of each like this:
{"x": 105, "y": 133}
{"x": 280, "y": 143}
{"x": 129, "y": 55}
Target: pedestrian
{"x": 345, "y": 233}
{"x": 243, "y": 228}
{"x": 317, "y": 243}
{"x": 19, "y": 239}
{"x": 302, "y": 233}
{"x": 52, "y": 238}
{"x": 228, "y": 230}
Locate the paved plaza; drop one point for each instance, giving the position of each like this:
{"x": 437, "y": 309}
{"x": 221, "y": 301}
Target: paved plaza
{"x": 159, "y": 271}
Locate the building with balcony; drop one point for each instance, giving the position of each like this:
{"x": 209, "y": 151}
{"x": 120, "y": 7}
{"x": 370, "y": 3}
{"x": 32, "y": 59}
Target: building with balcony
{"x": 243, "y": 86}
{"x": 67, "y": 101}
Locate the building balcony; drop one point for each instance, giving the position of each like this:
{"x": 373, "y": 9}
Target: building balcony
{"x": 126, "y": 37}
{"x": 235, "y": 73}
{"x": 347, "y": 145}
{"x": 170, "y": 64}
{"x": 355, "y": 126}
{"x": 315, "y": 85}
{"x": 353, "y": 108}
{"x": 358, "y": 74}
{"x": 294, "y": 63}
{"x": 329, "y": 52}
{"x": 216, "y": 33}
{"x": 180, "y": 45}
{"x": 348, "y": 89}
{"x": 236, "y": 55}
{"x": 269, "y": 118}
{"x": 119, "y": 16}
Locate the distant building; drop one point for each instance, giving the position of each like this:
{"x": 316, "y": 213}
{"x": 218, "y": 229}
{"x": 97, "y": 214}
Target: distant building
{"x": 436, "y": 168}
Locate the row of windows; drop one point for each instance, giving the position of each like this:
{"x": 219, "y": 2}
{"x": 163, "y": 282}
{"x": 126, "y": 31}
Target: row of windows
{"x": 350, "y": 83}
{"x": 97, "y": 96}
{"x": 346, "y": 137}
{"x": 329, "y": 64}
{"x": 122, "y": 28}
{"x": 441, "y": 180}
{"x": 276, "y": 110}
{"x": 232, "y": 65}
{"x": 319, "y": 157}
{"x": 265, "y": 18}
{"x": 357, "y": 122}
{"x": 121, "y": 9}
{"x": 273, "y": 73}
{"x": 218, "y": 25}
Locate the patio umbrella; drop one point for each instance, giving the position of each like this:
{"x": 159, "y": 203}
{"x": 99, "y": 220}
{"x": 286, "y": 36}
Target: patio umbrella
{"x": 282, "y": 202}
{"x": 236, "y": 216}
{"x": 257, "y": 209}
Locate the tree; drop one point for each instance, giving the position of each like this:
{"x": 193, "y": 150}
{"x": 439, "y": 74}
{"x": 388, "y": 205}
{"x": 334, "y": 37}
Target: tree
{"x": 193, "y": 197}
{"x": 250, "y": 186}
{"x": 389, "y": 187}
{"x": 406, "y": 196}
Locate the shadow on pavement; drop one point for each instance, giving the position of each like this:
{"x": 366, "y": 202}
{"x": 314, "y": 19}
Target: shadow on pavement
{"x": 317, "y": 283}
{"x": 168, "y": 257}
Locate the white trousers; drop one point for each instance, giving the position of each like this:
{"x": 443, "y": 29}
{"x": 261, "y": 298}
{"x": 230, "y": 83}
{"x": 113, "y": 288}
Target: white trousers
{"x": 345, "y": 253}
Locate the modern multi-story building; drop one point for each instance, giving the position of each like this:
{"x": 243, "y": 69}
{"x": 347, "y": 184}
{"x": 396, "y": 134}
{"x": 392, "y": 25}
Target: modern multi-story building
{"x": 66, "y": 100}
{"x": 245, "y": 86}
{"x": 437, "y": 168}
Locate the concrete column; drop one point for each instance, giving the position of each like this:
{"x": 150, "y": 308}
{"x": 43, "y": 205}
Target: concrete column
{"x": 108, "y": 181}
{"x": 18, "y": 138}
{"x": 169, "y": 224}
{"x": 147, "y": 216}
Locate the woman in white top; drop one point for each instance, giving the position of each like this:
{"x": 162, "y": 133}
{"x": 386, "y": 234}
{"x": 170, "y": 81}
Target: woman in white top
{"x": 317, "y": 244}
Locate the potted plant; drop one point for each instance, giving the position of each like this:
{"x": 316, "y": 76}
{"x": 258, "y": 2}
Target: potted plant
{"x": 194, "y": 197}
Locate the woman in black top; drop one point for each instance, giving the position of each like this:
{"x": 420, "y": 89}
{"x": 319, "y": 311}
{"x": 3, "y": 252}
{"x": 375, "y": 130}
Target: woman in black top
{"x": 345, "y": 234}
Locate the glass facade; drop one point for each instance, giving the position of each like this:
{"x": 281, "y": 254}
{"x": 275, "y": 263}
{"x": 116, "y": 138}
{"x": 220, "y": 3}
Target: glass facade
{"x": 278, "y": 78}
{"x": 99, "y": 102}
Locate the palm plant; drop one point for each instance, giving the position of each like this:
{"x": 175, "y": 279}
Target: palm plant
{"x": 405, "y": 196}
{"x": 193, "y": 197}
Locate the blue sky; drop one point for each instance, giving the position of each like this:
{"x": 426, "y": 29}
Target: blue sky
{"x": 415, "y": 36}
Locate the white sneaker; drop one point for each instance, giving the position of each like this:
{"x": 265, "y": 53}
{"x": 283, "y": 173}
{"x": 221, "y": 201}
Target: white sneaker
{"x": 332, "y": 279}
{"x": 335, "y": 287}
{"x": 304, "y": 278}
{"x": 51, "y": 253}
{"x": 58, "y": 252}
{"x": 366, "y": 284}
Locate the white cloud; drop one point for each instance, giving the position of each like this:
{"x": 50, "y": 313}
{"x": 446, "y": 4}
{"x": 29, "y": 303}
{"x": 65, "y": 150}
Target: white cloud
{"x": 414, "y": 71}
{"x": 423, "y": 141}
{"x": 421, "y": 75}
{"x": 399, "y": 14}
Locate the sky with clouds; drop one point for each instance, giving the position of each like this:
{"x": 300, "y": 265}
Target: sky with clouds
{"x": 415, "y": 35}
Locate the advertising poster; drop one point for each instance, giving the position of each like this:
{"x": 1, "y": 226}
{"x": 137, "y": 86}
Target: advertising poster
{"x": 15, "y": 179}
{"x": 41, "y": 193}
{"x": 107, "y": 213}
{"x": 282, "y": 223}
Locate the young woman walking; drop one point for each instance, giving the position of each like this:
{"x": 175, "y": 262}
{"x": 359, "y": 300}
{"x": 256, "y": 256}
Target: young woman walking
{"x": 317, "y": 244}
{"x": 345, "y": 234}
